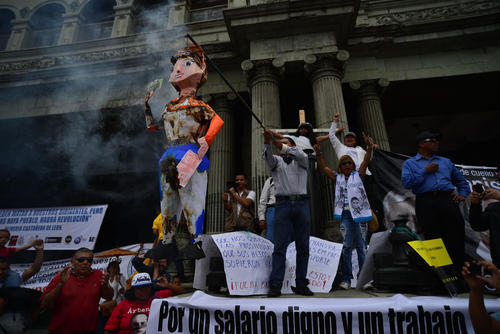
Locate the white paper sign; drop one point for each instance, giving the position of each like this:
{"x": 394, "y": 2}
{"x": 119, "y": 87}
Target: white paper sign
{"x": 324, "y": 259}
{"x": 248, "y": 263}
{"x": 60, "y": 228}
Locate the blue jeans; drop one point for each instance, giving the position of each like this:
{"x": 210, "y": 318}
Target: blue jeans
{"x": 352, "y": 231}
{"x": 270, "y": 224}
{"x": 291, "y": 217}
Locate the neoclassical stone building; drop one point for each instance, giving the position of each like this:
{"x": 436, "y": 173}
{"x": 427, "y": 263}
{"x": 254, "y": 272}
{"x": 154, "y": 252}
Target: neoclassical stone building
{"x": 73, "y": 75}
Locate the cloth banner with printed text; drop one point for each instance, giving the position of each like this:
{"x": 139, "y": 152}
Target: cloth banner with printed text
{"x": 201, "y": 313}
{"x": 398, "y": 202}
{"x": 61, "y": 228}
{"x": 51, "y": 268}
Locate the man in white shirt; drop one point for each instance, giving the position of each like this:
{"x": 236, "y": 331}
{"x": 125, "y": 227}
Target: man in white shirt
{"x": 239, "y": 206}
{"x": 265, "y": 209}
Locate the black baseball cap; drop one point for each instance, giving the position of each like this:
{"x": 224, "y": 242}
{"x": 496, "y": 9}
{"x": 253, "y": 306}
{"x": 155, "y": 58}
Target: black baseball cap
{"x": 305, "y": 125}
{"x": 427, "y": 135}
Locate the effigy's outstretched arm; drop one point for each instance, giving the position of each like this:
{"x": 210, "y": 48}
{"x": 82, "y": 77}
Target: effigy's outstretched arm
{"x": 151, "y": 124}
{"x": 215, "y": 125}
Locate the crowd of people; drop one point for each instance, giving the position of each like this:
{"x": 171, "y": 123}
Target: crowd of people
{"x": 85, "y": 300}
{"x": 82, "y": 299}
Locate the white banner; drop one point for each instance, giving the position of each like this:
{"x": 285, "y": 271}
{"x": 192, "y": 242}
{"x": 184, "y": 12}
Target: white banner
{"x": 60, "y": 228}
{"x": 202, "y": 313}
{"x": 51, "y": 268}
{"x": 248, "y": 257}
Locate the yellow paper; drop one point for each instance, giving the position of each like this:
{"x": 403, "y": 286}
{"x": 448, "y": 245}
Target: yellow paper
{"x": 432, "y": 251}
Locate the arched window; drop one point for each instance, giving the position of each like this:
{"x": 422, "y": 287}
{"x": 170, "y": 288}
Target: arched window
{"x": 98, "y": 17}
{"x": 204, "y": 10}
{"x": 6, "y": 16}
{"x": 46, "y": 22}
{"x": 151, "y": 15}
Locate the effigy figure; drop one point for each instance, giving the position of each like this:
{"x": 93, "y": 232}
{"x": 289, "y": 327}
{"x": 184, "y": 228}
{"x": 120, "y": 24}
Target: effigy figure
{"x": 190, "y": 126}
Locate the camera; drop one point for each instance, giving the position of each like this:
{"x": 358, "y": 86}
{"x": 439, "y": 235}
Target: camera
{"x": 231, "y": 184}
{"x": 476, "y": 269}
{"x": 478, "y": 187}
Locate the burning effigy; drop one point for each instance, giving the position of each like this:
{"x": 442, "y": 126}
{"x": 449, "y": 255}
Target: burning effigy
{"x": 190, "y": 126}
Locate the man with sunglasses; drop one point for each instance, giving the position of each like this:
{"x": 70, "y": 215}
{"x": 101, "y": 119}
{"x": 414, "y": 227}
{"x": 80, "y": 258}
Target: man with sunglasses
{"x": 433, "y": 179}
{"x": 74, "y": 295}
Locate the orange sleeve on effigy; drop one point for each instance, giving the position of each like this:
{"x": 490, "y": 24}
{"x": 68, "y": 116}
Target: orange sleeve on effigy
{"x": 214, "y": 128}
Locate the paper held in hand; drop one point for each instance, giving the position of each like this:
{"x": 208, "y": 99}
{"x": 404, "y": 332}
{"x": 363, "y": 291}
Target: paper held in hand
{"x": 190, "y": 161}
{"x": 155, "y": 85}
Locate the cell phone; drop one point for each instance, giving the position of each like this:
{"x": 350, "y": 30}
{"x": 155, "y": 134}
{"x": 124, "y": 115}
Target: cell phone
{"x": 478, "y": 187}
{"x": 476, "y": 269}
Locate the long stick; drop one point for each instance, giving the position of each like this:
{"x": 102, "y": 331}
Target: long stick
{"x": 247, "y": 107}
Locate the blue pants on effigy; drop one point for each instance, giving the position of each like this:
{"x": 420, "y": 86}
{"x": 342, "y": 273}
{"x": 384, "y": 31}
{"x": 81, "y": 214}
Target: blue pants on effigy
{"x": 188, "y": 200}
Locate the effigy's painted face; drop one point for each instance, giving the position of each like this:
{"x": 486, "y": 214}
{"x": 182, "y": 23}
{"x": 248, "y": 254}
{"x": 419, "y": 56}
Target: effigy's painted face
{"x": 186, "y": 74}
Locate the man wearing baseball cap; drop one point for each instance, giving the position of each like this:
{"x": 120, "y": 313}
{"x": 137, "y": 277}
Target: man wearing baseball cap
{"x": 349, "y": 147}
{"x": 292, "y": 215}
{"x": 434, "y": 179}
{"x": 137, "y": 302}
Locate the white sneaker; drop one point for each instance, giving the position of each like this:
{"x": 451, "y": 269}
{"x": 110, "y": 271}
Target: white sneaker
{"x": 368, "y": 286}
{"x": 344, "y": 286}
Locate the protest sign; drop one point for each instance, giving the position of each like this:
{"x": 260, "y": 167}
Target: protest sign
{"x": 186, "y": 167}
{"x": 201, "y": 313}
{"x": 324, "y": 259}
{"x": 248, "y": 262}
{"x": 61, "y": 228}
{"x": 435, "y": 255}
{"x": 432, "y": 251}
{"x": 51, "y": 268}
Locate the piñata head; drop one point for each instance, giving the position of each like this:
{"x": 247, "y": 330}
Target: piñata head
{"x": 190, "y": 69}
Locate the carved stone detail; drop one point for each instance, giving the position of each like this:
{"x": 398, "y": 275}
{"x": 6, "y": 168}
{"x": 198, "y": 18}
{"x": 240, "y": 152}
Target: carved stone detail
{"x": 438, "y": 13}
{"x": 263, "y": 71}
{"x": 73, "y": 59}
{"x": 74, "y": 6}
{"x": 24, "y": 11}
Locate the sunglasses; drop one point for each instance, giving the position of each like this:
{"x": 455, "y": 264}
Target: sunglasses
{"x": 346, "y": 163}
{"x": 434, "y": 140}
{"x": 81, "y": 259}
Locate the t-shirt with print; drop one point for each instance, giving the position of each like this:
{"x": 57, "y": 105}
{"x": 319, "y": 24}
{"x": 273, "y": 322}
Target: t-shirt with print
{"x": 129, "y": 317}
{"x": 7, "y": 252}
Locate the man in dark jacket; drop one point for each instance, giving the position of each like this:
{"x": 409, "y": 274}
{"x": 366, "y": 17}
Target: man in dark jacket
{"x": 487, "y": 219}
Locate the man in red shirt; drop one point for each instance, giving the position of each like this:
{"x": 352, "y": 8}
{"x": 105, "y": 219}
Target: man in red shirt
{"x": 74, "y": 295}
{"x": 9, "y": 252}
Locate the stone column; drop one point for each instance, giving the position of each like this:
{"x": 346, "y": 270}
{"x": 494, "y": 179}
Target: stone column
{"x": 371, "y": 118}
{"x": 221, "y": 163}
{"x": 70, "y": 28}
{"x": 263, "y": 79}
{"x": 326, "y": 72}
{"x": 124, "y": 23}
{"x": 19, "y": 36}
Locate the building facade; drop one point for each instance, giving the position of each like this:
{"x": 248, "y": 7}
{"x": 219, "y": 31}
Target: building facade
{"x": 73, "y": 75}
